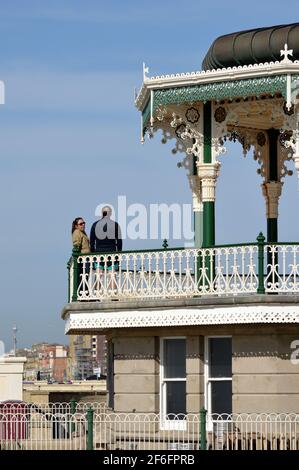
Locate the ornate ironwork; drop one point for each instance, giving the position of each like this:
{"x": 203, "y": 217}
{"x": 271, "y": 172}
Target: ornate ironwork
{"x": 192, "y": 115}
{"x": 220, "y": 114}
{"x": 180, "y": 129}
{"x": 288, "y": 112}
{"x": 285, "y": 137}
{"x": 261, "y": 139}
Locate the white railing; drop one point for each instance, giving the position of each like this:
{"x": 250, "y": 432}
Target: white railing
{"x": 29, "y": 429}
{"x": 253, "y": 432}
{"x": 282, "y": 268}
{"x": 218, "y": 271}
{"x": 168, "y": 273}
{"x": 146, "y": 431}
{"x": 32, "y": 430}
{"x": 71, "y": 277}
{"x": 55, "y": 407}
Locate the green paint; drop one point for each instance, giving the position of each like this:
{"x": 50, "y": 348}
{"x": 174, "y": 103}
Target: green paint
{"x": 203, "y": 426}
{"x": 221, "y": 90}
{"x": 68, "y": 266}
{"x": 75, "y": 253}
{"x": 260, "y": 245}
{"x": 209, "y": 237}
{"x": 89, "y": 429}
{"x": 273, "y": 135}
{"x": 217, "y": 91}
{"x": 272, "y": 226}
{"x": 272, "y": 230}
{"x": 208, "y": 207}
{"x": 208, "y": 224}
{"x": 73, "y": 404}
{"x": 207, "y": 132}
{"x": 146, "y": 113}
{"x": 272, "y": 237}
{"x": 208, "y": 233}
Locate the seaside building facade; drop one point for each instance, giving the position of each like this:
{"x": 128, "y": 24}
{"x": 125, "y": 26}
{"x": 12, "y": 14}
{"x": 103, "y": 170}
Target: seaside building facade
{"x": 208, "y": 326}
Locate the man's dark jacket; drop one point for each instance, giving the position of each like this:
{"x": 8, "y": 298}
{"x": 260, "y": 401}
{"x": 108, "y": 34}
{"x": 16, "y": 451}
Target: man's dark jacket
{"x": 105, "y": 236}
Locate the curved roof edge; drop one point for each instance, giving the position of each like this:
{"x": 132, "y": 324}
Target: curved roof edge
{"x": 252, "y": 46}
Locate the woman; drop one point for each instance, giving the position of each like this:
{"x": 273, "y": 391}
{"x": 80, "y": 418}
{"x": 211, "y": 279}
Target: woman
{"x": 81, "y": 240}
{"x": 79, "y": 236}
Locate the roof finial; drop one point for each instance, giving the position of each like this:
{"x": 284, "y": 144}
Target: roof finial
{"x": 145, "y": 71}
{"x": 285, "y": 52}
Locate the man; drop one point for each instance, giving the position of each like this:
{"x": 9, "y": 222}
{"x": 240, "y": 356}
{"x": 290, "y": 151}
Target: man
{"x": 105, "y": 237}
{"x": 105, "y": 234}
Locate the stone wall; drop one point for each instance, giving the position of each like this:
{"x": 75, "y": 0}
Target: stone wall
{"x": 264, "y": 379}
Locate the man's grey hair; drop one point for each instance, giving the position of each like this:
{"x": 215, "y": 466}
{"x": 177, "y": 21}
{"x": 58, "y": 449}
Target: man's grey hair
{"x": 107, "y": 209}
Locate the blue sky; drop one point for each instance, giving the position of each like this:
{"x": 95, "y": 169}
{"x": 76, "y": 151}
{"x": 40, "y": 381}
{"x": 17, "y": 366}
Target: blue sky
{"x": 69, "y": 135}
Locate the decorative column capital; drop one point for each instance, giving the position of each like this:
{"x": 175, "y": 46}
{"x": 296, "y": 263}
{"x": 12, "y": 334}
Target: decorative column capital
{"x": 272, "y": 192}
{"x": 195, "y": 186}
{"x": 208, "y": 174}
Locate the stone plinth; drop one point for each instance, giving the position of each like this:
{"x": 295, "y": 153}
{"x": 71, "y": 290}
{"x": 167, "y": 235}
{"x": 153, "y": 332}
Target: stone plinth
{"x": 11, "y": 378}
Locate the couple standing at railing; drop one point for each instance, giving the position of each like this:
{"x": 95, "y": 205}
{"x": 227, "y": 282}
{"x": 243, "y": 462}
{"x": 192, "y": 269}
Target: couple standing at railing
{"x": 105, "y": 237}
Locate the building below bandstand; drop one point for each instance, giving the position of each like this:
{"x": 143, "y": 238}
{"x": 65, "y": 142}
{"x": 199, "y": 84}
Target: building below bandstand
{"x": 209, "y": 326}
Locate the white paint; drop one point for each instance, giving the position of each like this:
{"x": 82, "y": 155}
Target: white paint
{"x": 11, "y": 378}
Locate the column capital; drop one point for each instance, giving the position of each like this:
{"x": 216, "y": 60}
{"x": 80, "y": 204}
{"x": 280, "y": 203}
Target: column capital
{"x": 208, "y": 174}
{"x": 272, "y": 192}
{"x": 208, "y": 170}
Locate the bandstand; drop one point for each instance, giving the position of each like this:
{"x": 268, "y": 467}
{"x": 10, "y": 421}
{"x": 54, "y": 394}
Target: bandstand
{"x": 212, "y": 326}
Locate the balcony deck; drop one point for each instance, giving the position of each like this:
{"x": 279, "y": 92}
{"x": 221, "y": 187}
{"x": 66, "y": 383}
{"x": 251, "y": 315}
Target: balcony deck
{"x": 185, "y": 272}
{"x": 251, "y": 282}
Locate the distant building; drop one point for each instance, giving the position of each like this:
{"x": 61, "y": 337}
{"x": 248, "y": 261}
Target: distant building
{"x": 45, "y": 362}
{"x": 87, "y": 355}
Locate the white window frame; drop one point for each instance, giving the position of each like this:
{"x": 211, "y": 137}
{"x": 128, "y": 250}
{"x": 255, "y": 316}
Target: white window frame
{"x": 207, "y": 379}
{"x": 164, "y": 422}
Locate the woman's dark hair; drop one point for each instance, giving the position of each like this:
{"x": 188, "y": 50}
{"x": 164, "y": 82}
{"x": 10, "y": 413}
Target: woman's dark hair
{"x": 75, "y": 222}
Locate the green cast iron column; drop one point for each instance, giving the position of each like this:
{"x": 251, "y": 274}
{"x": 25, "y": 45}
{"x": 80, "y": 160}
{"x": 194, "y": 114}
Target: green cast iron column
{"x": 89, "y": 436}
{"x": 273, "y": 134}
{"x": 197, "y": 216}
{"x": 272, "y": 225}
{"x": 208, "y": 206}
{"x": 203, "y": 424}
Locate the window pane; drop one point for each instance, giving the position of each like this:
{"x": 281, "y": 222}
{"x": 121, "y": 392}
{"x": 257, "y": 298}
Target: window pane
{"x": 174, "y": 358}
{"x": 220, "y": 357}
{"x": 175, "y": 397}
{"x": 221, "y": 397}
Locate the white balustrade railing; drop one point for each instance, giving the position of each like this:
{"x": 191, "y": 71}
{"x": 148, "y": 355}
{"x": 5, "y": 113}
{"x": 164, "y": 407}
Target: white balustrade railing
{"x": 167, "y": 273}
{"x": 29, "y": 429}
{"x": 253, "y": 431}
{"x": 55, "y": 407}
{"x": 282, "y": 268}
{"x": 217, "y": 271}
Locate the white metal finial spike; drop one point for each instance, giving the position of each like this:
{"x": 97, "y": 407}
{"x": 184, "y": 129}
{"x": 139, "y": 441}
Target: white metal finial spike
{"x": 286, "y": 52}
{"x": 145, "y": 71}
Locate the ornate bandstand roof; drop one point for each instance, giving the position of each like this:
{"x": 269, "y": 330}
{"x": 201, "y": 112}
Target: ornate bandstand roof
{"x": 253, "y": 46}
{"x": 254, "y": 63}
